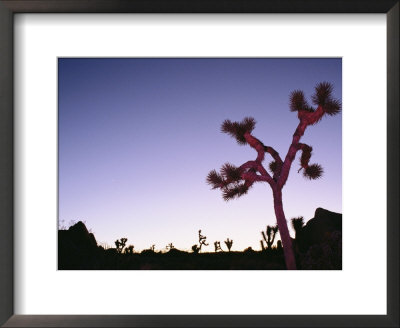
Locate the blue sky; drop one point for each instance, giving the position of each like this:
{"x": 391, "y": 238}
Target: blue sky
{"x": 137, "y": 138}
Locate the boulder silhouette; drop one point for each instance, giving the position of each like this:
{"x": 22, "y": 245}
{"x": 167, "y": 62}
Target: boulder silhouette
{"x": 76, "y": 247}
{"x": 319, "y": 229}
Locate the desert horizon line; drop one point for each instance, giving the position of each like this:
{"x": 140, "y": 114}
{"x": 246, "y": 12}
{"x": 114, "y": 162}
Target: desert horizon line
{"x": 210, "y": 246}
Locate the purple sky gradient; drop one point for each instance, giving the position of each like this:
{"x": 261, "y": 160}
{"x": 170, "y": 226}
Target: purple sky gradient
{"x": 137, "y": 138}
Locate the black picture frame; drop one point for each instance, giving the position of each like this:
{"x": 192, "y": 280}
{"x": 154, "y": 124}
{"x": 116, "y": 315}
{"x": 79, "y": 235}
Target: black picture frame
{"x": 10, "y": 7}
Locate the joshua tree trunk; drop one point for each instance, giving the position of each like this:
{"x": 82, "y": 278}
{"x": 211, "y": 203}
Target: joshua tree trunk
{"x": 283, "y": 230}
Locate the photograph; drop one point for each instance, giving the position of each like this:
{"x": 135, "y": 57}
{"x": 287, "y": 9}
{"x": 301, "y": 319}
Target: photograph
{"x": 191, "y": 163}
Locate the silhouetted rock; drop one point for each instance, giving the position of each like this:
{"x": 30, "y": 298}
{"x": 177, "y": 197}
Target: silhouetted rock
{"x": 318, "y": 229}
{"x": 318, "y": 244}
{"x": 76, "y": 247}
{"x": 79, "y": 235}
{"x": 324, "y": 256}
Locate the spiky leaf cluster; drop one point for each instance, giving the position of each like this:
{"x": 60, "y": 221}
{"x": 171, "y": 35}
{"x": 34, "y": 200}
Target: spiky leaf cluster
{"x": 313, "y": 171}
{"x": 323, "y": 97}
{"x": 230, "y": 172}
{"x": 333, "y": 107}
{"x": 229, "y": 180}
{"x": 298, "y": 102}
{"x": 237, "y": 130}
{"x": 215, "y": 179}
{"x": 274, "y": 167}
{"x": 323, "y": 92}
{"x": 233, "y": 191}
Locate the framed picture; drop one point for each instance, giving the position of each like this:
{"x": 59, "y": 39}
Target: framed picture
{"x": 85, "y": 98}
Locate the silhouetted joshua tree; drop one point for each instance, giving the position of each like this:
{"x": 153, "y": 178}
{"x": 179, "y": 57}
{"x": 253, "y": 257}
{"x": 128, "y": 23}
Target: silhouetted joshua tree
{"x": 153, "y": 248}
{"x": 120, "y": 244}
{"x": 170, "y": 246}
{"x": 235, "y": 181}
{"x": 202, "y": 241}
{"x": 269, "y": 236}
{"x": 228, "y": 242}
{"x": 298, "y": 224}
{"x": 217, "y": 246}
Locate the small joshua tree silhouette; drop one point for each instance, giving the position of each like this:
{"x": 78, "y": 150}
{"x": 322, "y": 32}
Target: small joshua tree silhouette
{"x": 170, "y": 246}
{"x": 153, "y": 248}
{"x": 120, "y": 244}
{"x": 235, "y": 181}
{"x": 297, "y": 224}
{"x": 202, "y": 241}
{"x": 269, "y": 236}
{"x": 228, "y": 242}
{"x": 217, "y": 246}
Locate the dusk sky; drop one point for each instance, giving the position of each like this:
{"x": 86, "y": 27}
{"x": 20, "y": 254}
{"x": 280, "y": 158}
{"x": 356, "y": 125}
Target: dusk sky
{"x": 137, "y": 138}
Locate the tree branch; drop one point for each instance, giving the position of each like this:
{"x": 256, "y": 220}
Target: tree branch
{"x": 307, "y": 116}
{"x": 311, "y": 118}
{"x": 291, "y": 154}
{"x": 258, "y": 167}
{"x": 306, "y": 119}
{"x": 257, "y": 145}
{"x": 274, "y": 154}
{"x": 276, "y": 165}
{"x": 253, "y": 177}
{"x": 305, "y": 156}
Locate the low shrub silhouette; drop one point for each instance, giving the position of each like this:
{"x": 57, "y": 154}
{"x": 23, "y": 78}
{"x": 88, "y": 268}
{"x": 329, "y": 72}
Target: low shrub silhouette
{"x": 248, "y": 250}
{"x": 195, "y": 249}
{"x": 129, "y": 249}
